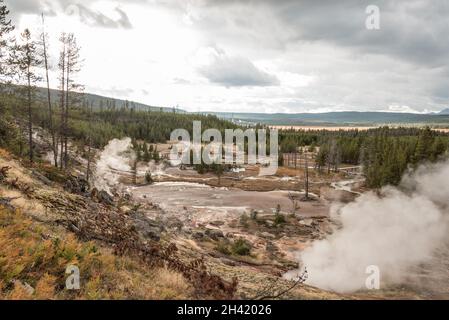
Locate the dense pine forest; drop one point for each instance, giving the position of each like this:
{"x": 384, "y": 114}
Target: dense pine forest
{"x": 385, "y": 153}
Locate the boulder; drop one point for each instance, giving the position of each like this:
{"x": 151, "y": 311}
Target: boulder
{"x": 153, "y": 234}
{"x": 76, "y": 185}
{"x": 198, "y": 235}
{"x": 102, "y": 197}
{"x": 217, "y": 223}
{"x": 146, "y": 227}
{"x": 214, "y": 234}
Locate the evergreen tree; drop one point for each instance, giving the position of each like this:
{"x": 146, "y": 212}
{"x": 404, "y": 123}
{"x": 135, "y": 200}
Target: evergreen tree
{"x": 423, "y": 145}
{"x": 24, "y": 60}
{"x": 5, "y": 28}
{"x": 146, "y": 154}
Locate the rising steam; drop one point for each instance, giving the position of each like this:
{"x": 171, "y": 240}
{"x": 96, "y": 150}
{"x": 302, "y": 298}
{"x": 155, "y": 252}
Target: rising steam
{"x": 114, "y": 160}
{"x": 397, "y": 229}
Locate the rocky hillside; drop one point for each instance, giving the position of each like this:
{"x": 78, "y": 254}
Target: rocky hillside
{"x": 118, "y": 252}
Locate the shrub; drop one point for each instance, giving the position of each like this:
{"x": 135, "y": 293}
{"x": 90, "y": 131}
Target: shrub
{"x": 241, "y": 247}
{"x": 254, "y": 214}
{"x": 244, "y": 220}
{"x": 279, "y": 219}
{"x": 148, "y": 178}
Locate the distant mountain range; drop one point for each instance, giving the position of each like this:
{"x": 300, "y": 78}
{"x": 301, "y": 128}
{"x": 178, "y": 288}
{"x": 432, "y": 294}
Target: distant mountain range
{"x": 346, "y": 118}
{"x": 98, "y": 101}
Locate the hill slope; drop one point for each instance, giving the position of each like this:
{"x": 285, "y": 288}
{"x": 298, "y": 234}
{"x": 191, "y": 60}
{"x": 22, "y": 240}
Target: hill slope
{"x": 337, "y": 118}
{"x": 98, "y": 101}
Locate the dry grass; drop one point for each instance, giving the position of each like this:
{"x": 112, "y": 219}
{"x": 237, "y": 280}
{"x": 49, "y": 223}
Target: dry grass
{"x": 33, "y": 260}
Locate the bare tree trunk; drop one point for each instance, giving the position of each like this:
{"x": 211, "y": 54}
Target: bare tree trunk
{"x": 30, "y": 124}
{"x": 135, "y": 172}
{"x": 296, "y": 158}
{"x": 89, "y": 149}
{"x": 50, "y": 111}
{"x": 66, "y": 117}
{"x": 307, "y": 176}
{"x": 61, "y": 129}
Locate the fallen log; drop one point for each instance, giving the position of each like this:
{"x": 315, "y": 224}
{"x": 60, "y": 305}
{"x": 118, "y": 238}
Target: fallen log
{"x": 6, "y": 202}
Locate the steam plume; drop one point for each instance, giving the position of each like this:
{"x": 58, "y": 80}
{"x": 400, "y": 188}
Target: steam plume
{"x": 114, "y": 159}
{"x": 397, "y": 229}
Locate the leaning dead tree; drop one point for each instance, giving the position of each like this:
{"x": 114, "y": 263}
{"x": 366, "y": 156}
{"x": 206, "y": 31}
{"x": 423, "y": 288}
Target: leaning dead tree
{"x": 275, "y": 290}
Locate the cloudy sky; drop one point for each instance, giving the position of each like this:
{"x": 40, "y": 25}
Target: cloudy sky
{"x": 256, "y": 56}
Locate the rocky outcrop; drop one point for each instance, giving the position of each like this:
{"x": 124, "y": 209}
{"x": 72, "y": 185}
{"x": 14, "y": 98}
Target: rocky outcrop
{"x": 76, "y": 184}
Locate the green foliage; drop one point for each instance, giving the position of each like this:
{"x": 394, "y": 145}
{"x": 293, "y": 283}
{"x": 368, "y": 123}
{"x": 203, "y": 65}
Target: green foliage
{"x": 279, "y": 219}
{"x": 5, "y": 28}
{"x": 385, "y": 153}
{"x": 148, "y": 178}
{"x": 241, "y": 247}
{"x": 154, "y": 127}
{"x": 278, "y": 216}
{"x": 10, "y": 136}
{"x": 386, "y": 158}
{"x": 216, "y": 168}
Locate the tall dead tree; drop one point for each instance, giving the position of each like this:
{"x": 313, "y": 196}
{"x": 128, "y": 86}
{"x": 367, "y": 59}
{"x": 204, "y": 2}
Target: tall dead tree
{"x": 61, "y": 65}
{"x": 134, "y": 171}
{"x": 306, "y": 179}
{"x": 50, "y": 111}
{"x": 89, "y": 147}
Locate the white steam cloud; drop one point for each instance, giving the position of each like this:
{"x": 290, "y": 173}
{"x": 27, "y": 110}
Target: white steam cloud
{"x": 397, "y": 229}
{"x": 114, "y": 160}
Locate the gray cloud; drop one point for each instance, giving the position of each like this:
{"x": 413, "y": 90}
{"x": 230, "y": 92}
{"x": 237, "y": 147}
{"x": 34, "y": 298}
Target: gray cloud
{"x": 19, "y": 7}
{"x": 95, "y": 18}
{"x": 414, "y": 30}
{"x": 236, "y": 72}
{"x": 82, "y": 11}
{"x": 403, "y": 63}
